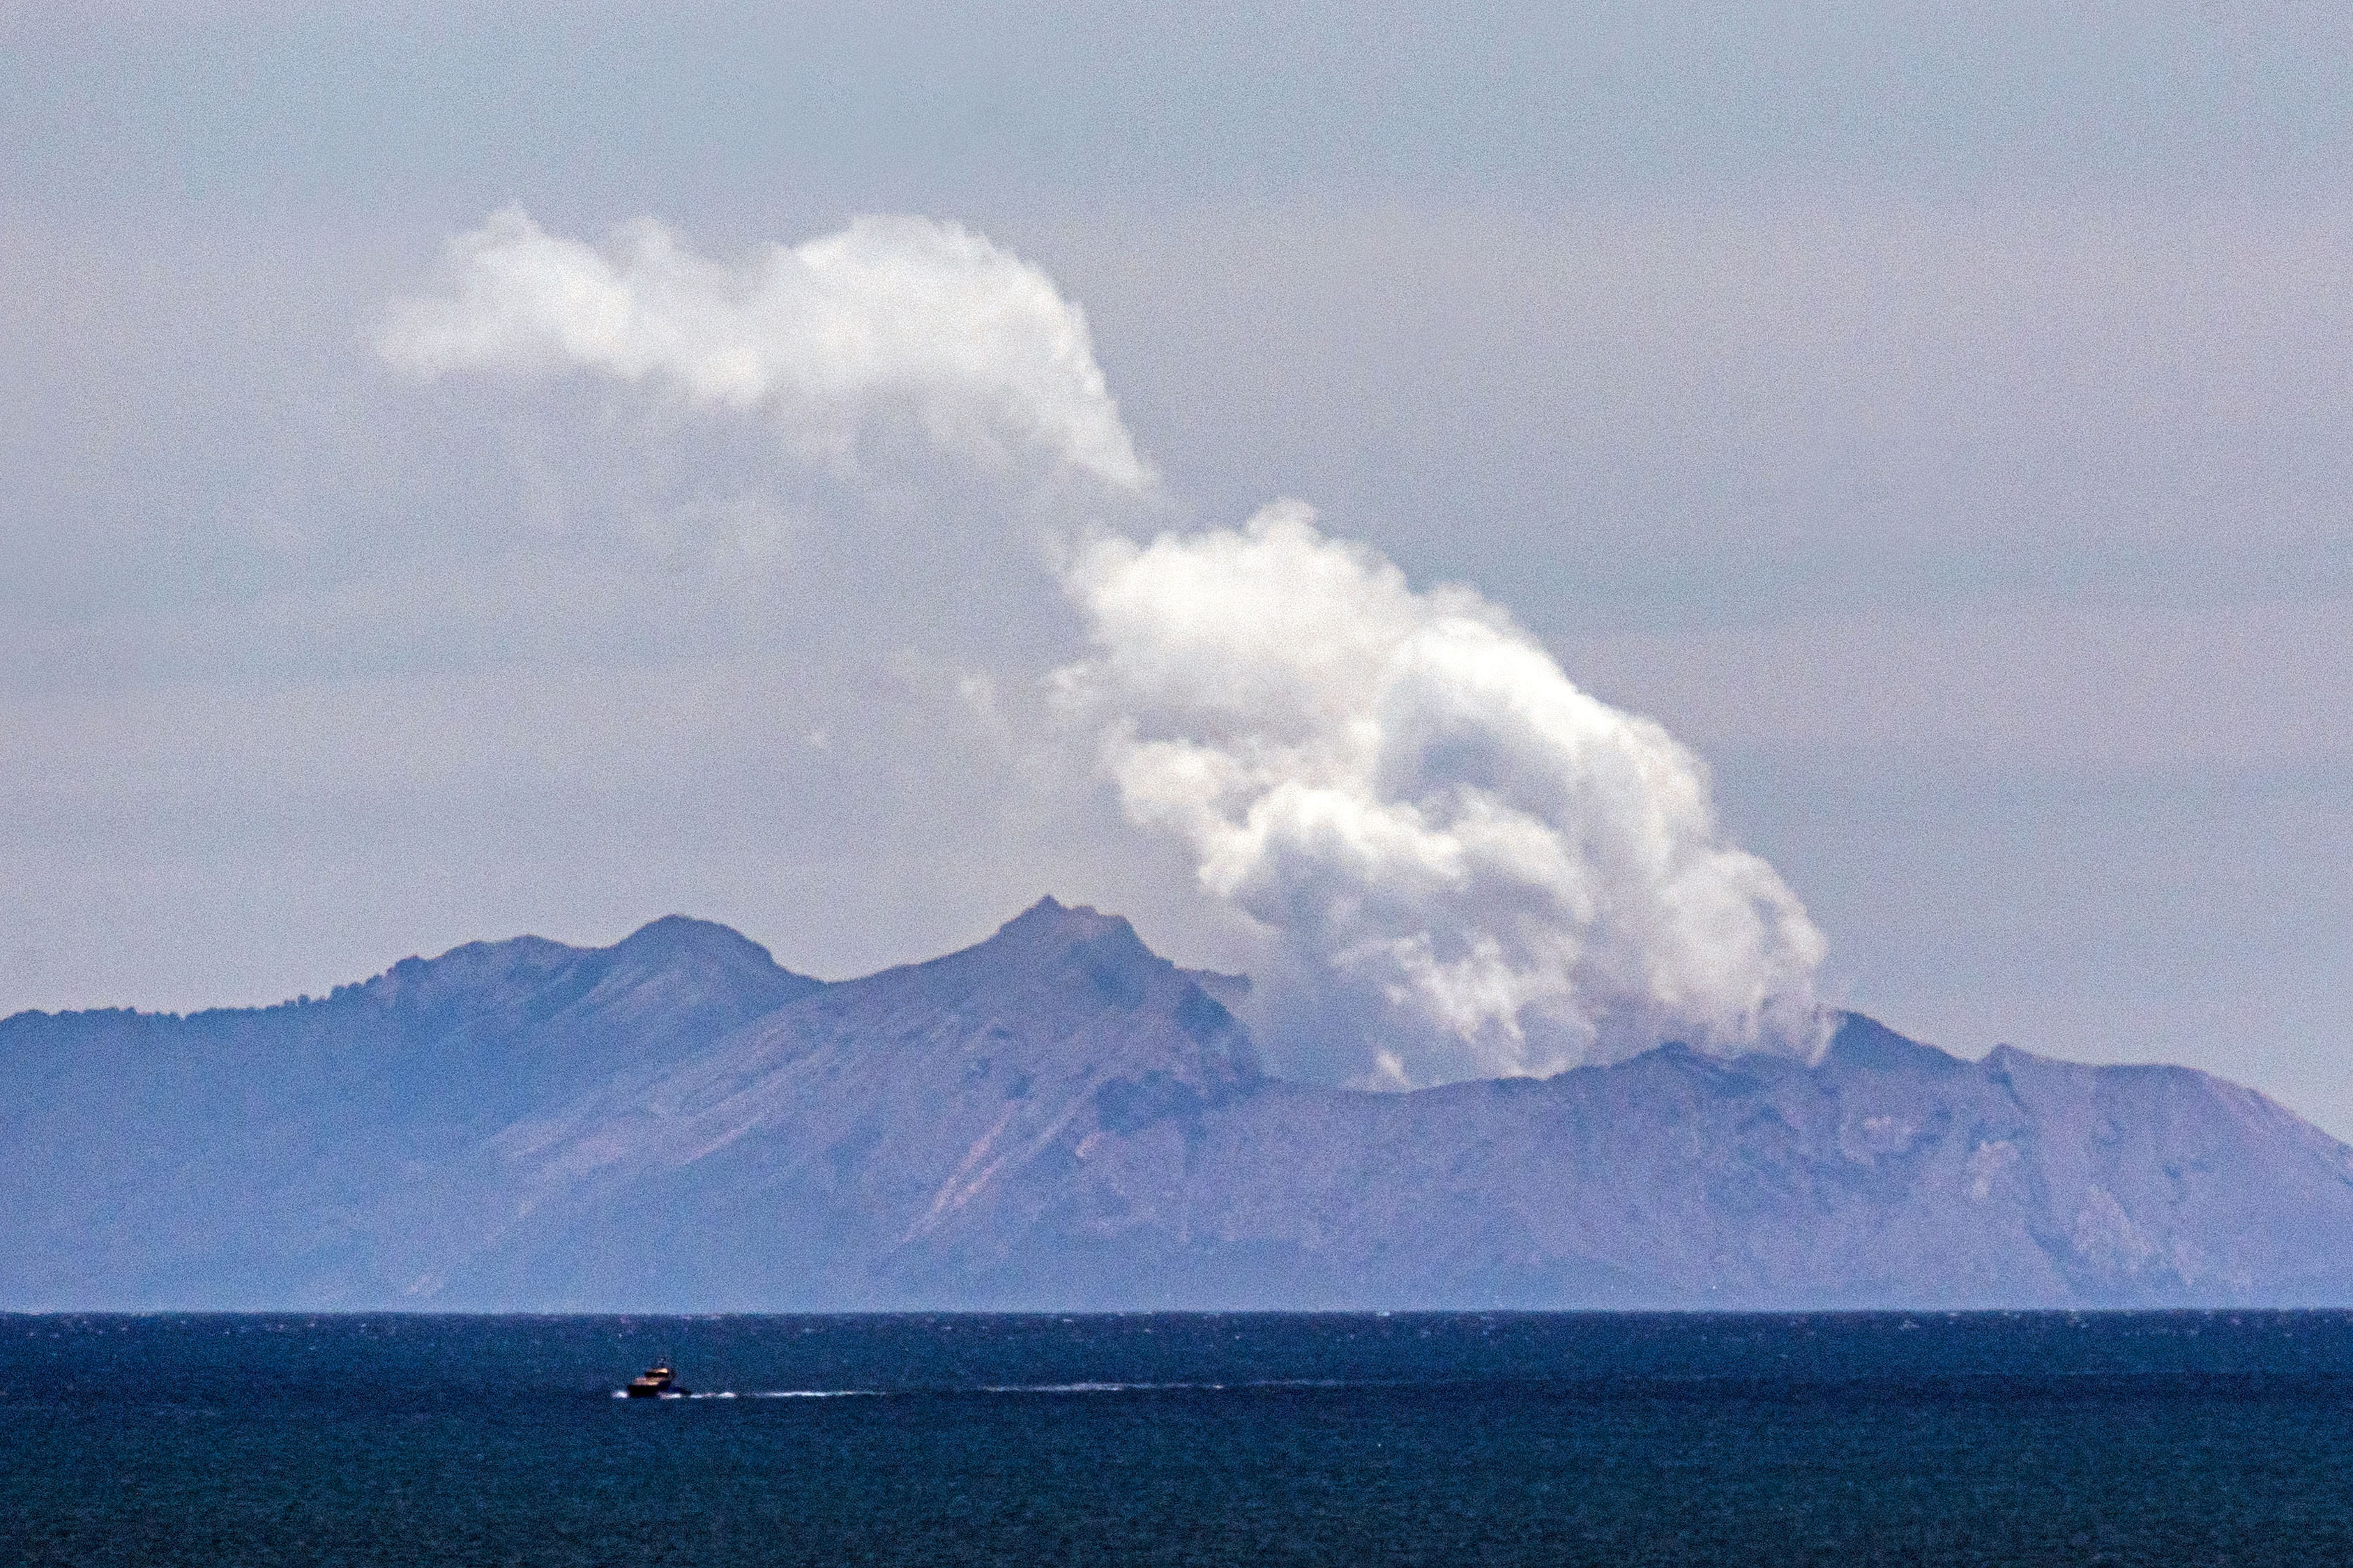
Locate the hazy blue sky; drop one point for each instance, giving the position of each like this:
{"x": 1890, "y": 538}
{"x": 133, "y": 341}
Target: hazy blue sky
{"x": 1941, "y": 417}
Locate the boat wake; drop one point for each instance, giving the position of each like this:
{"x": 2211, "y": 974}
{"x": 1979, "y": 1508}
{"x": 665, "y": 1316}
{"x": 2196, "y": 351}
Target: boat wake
{"x": 771, "y": 1394}
{"x": 1002, "y": 1388}
{"x": 1159, "y": 1387}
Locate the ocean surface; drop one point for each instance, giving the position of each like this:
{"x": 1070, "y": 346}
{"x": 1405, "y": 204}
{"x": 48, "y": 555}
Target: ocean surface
{"x": 2157, "y": 1438}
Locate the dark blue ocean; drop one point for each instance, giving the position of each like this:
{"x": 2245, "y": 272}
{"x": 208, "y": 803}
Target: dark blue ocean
{"x": 2168, "y": 1439}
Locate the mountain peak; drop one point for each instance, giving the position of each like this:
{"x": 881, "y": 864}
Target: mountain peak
{"x": 1057, "y": 990}
{"x": 1050, "y": 914}
{"x": 1866, "y": 1044}
{"x": 674, "y": 938}
{"x": 1050, "y": 926}
{"x": 679, "y": 925}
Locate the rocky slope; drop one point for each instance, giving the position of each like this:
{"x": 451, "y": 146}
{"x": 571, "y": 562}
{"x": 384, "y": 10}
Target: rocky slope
{"x": 238, "y": 1157}
{"x": 1058, "y": 1118}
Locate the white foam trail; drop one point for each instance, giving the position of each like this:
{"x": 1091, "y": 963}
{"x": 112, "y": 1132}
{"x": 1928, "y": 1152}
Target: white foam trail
{"x": 1089, "y": 1387}
{"x": 1166, "y": 1387}
{"x": 771, "y": 1394}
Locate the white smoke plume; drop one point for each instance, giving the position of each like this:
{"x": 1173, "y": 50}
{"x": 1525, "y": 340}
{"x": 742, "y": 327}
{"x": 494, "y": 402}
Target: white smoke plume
{"x": 1469, "y": 867}
{"x": 1409, "y": 790}
{"x": 891, "y": 313}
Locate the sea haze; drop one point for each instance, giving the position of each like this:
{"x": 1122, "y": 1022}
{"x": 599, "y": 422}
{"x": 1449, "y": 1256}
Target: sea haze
{"x": 2127, "y": 1439}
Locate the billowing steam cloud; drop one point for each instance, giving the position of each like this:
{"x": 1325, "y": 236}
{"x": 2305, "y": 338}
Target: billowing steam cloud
{"x": 1469, "y": 865}
{"x": 890, "y": 313}
{"x": 1408, "y": 788}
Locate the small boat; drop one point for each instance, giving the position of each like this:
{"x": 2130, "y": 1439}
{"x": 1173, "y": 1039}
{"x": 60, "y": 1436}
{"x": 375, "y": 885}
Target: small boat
{"x": 654, "y": 1383}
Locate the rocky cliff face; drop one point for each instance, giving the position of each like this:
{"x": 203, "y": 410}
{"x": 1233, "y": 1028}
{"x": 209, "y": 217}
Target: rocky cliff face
{"x": 1059, "y": 1119}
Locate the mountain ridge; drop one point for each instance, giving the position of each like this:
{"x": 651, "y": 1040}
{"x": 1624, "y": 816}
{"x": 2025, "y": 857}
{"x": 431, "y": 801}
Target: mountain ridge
{"x": 1056, "y": 1116}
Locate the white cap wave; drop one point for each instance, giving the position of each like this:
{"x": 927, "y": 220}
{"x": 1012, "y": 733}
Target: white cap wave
{"x": 1469, "y": 864}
